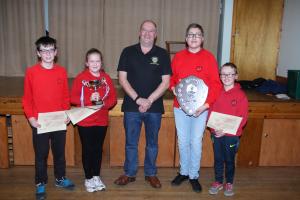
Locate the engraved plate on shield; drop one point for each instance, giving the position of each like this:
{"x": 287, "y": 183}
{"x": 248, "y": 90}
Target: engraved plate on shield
{"x": 191, "y": 94}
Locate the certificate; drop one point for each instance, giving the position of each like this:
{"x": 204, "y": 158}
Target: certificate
{"x": 79, "y": 113}
{"x": 52, "y": 121}
{"x": 227, "y": 123}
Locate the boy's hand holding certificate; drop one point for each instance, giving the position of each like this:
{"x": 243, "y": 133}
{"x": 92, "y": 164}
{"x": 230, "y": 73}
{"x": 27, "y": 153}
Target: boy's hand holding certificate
{"x": 227, "y": 123}
{"x": 52, "y": 121}
{"x": 55, "y": 121}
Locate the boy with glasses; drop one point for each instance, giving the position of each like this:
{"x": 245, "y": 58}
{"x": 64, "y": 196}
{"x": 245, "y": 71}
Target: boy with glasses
{"x": 232, "y": 101}
{"x": 46, "y": 90}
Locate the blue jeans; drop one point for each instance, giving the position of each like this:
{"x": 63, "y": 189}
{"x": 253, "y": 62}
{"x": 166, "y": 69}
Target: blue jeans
{"x": 225, "y": 149}
{"x": 189, "y": 134}
{"x": 133, "y": 123}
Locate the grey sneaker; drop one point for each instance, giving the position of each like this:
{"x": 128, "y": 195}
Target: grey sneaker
{"x": 215, "y": 188}
{"x": 228, "y": 190}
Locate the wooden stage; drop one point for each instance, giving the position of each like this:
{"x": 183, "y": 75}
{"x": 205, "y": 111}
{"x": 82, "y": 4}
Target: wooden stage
{"x": 271, "y": 136}
{"x": 263, "y": 183}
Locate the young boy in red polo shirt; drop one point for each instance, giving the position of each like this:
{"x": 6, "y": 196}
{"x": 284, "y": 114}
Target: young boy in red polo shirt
{"x": 46, "y": 90}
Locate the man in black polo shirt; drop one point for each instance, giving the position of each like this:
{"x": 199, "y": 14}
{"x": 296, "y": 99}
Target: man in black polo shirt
{"x": 144, "y": 73}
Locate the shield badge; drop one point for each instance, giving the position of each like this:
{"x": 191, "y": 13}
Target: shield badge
{"x": 191, "y": 94}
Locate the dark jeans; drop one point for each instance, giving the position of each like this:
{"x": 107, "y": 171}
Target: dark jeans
{"x": 133, "y": 123}
{"x": 225, "y": 149}
{"x": 92, "y": 139}
{"x": 41, "y": 149}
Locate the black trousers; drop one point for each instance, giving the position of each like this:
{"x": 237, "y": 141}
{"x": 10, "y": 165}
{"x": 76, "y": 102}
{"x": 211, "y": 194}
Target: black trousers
{"x": 225, "y": 149}
{"x": 41, "y": 145}
{"x": 92, "y": 139}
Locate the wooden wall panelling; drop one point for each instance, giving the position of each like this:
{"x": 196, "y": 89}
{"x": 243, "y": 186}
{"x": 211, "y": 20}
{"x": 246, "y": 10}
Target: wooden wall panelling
{"x": 106, "y": 153}
{"x": 207, "y": 158}
{"x": 22, "y": 143}
{"x": 280, "y": 143}
{"x": 165, "y": 144}
{"x": 250, "y": 142}
{"x": 70, "y": 148}
{"x": 117, "y": 141}
{"x": 77, "y": 146}
{"x": 4, "y": 160}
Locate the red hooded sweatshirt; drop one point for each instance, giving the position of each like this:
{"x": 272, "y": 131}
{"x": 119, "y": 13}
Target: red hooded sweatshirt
{"x": 232, "y": 102}
{"x": 202, "y": 65}
{"x": 99, "y": 118}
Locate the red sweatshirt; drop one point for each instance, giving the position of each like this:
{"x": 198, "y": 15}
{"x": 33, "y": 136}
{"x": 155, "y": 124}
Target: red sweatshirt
{"x": 99, "y": 118}
{"x": 202, "y": 65}
{"x": 45, "y": 90}
{"x": 232, "y": 102}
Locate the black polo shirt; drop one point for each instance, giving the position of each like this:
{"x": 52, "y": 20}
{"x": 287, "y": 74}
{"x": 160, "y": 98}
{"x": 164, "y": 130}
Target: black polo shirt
{"x": 144, "y": 73}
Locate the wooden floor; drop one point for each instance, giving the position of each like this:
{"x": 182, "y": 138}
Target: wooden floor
{"x": 251, "y": 183}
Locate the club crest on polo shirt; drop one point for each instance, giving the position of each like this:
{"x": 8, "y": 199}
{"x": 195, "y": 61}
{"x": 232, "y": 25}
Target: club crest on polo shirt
{"x": 233, "y": 102}
{"x": 154, "y": 60}
{"x": 59, "y": 81}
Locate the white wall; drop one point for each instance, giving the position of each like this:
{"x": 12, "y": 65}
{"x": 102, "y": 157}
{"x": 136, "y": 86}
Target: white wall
{"x": 289, "y": 52}
{"x": 226, "y": 36}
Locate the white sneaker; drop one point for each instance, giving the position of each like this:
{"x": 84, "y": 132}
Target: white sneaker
{"x": 99, "y": 185}
{"x": 90, "y": 185}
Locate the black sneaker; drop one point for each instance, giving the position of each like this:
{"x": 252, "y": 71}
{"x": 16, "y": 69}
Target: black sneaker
{"x": 179, "y": 179}
{"x": 196, "y": 185}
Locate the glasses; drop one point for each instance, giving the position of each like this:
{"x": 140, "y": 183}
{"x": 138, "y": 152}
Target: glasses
{"x": 47, "y": 51}
{"x": 194, "y": 35}
{"x": 227, "y": 75}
